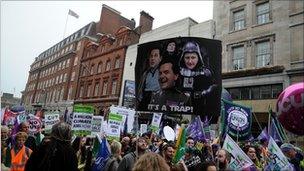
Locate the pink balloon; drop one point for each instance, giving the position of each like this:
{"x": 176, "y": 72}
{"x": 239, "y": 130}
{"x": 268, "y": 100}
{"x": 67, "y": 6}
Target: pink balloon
{"x": 290, "y": 108}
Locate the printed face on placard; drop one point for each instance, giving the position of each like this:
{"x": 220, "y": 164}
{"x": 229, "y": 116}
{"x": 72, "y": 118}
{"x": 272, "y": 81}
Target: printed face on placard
{"x": 179, "y": 75}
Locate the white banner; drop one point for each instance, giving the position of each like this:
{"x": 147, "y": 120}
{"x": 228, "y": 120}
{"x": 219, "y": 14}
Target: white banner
{"x": 239, "y": 160}
{"x": 97, "y": 125}
{"x": 156, "y": 121}
{"x": 278, "y": 161}
{"x": 50, "y": 120}
{"x": 128, "y": 114}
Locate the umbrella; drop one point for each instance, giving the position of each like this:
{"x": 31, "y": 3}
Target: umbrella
{"x": 17, "y": 109}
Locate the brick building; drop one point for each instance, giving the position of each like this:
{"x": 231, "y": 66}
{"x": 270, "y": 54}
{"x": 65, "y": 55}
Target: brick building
{"x": 55, "y": 74}
{"x": 102, "y": 64}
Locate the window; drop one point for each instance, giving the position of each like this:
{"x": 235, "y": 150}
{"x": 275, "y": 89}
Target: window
{"x": 59, "y": 67}
{"x": 117, "y": 63}
{"x": 81, "y": 91}
{"x": 262, "y": 11}
{"x": 99, "y": 67}
{"x": 105, "y": 88}
{"x": 256, "y": 92}
{"x": 76, "y": 60}
{"x": 73, "y": 76}
{"x": 70, "y": 93}
{"x": 265, "y": 92}
{"x": 61, "y": 78}
{"x": 92, "y": 69}
{"x": 65, "y": 77}
{"x": 235, "y": 93}
{"x": 96, "y": 89}
{"x": 263, "y": 54}
{"x": 68, "y": 63}
{"x": 89, "y": 90}
{"x": 61, "y": 94}
{"x": 78, "y": 45}
{"x": 63, "y": 64}
{"x": 238, "y": 58}
{"x": 108, "y": 65}
{"x": 114, "y": 86}
{"x": 239, "y": 19}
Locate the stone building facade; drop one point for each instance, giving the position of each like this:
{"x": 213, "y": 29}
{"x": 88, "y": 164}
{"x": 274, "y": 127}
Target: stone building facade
{"x": 262, "y": 50}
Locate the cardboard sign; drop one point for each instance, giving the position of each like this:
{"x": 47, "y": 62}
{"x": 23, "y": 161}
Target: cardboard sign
{"x": 82, "y": 118}
{"x": 35, "y": 125}
{"x": 97, "y": 125}
{"x": 128, "y": 117}
{"x": 113, "y": 131}
{"x": 50, "y": 120}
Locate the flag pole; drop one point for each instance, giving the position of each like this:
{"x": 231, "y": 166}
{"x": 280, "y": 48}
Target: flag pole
{"x": 66, "y": 21}
{"x": 269, "y": 118}
{"x": 257, "y": 121}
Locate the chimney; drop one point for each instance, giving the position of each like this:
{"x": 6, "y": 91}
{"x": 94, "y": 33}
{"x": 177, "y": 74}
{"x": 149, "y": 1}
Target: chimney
{"x": 145, "y": 22}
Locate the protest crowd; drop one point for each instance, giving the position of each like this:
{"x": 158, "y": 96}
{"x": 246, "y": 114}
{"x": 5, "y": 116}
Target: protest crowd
{"x": 60, "y": 149}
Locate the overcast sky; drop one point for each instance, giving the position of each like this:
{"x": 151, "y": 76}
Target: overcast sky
{"x": 30, "y": 27}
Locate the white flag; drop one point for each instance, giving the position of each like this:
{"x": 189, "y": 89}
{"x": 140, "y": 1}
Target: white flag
{"x": 72, "y": 13}
{"x": 278, "y": 161}
{"x": 239, "y": 160}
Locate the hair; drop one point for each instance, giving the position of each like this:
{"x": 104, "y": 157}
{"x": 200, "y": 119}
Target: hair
{"x": 189, "y": 138}
{"x": 115, "y": 147}
{"x": 21, "y": 135}
{"x": 61, "y": 131}
{"x": 21, "y": 124}
{"x": 4, "y": 128}
{"x": 174, "y": 67}
{"x": 204, "y": 166}
{"x": 151, "y": 162}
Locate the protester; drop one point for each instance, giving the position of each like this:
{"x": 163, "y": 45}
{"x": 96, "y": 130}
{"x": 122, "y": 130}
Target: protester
{"x": 115, "y": 158}
{"x": 54, "y": 153}
{"x": 293, "y": 156}
{"x": 19, "y": 154}
{"x": 81, "y": 151}
{"x": 207, "y": 166}
{"x": 128, "y": 160}
{"x": 151, "y": 162}
{"x": 252, "y": 154}
{"x": 125, "y": 142}
{"x": 190, "y": 142}
{"x": 191, "y": 159}
{"x": 31, "y": 140}
{"x": 223, "y": 159}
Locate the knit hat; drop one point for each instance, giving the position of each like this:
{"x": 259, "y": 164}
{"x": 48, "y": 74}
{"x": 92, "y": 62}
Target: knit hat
{"x": 286, "y": 147}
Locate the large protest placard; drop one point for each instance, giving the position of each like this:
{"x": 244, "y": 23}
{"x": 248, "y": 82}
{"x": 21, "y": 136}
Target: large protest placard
{"x": 114, "y": 126}
{"x": 168, "y": 80}
{"x": 97, "y": 125}
{"x": 127, "y": 117}
{"x": 50, "y": 119}
{"x": 82, "y": 118}
{"x": 239, "y": 160}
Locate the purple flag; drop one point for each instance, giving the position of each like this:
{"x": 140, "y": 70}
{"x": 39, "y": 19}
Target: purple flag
{"x": 195, "y": 129}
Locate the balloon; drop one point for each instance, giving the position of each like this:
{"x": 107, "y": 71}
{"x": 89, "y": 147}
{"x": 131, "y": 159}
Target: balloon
{"x": 290, "y": 108}
{"x": 226, "y": 95}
